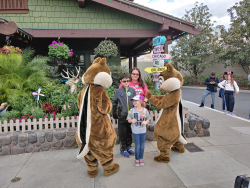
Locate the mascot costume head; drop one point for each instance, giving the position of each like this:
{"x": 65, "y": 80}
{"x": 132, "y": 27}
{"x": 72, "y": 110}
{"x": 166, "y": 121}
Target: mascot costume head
{"x": 95, "y": 134}
{"x": 168, "y": 129}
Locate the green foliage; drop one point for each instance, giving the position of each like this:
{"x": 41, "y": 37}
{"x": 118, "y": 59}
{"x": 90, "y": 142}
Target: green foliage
{"x": 12, "y": 114}
{"x": 149, "y": 82}
{"x": 59, "y": 50}
{"x": 234, "y": 48}
{"x": 10, "y": 62}
{"x": 191, "y": 52}
{"x": 111, "y": 92}
{"x": 26, "y": 77}
{"x": 70, "y": 109}
{"x": 116, "y": 72}
{"x": 37, "y": 113}
{"x": 156, "y": 92}
{"x": 107, "y": 49}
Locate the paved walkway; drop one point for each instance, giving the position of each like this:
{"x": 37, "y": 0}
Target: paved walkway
{"x": 226, "y": 155}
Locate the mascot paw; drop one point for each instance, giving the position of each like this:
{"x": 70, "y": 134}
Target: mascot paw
{"x": 182, "y": 150}
{"x": 161, "y": 159}
{"x": 148, "y": 94}
{"x": 92, "y": 174}
{"x": 113, "y": 170}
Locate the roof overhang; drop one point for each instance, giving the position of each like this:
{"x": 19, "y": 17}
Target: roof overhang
{"x": 153, "y": 15}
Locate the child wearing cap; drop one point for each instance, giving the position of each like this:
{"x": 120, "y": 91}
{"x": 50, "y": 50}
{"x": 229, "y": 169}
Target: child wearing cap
{"x": 139, "y": 118}
{"x": 121, "y": 106}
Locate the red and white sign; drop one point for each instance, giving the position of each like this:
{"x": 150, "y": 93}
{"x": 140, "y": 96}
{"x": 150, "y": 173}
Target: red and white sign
{"x": 158, "y": 49}
{"x": 158, "y": 56}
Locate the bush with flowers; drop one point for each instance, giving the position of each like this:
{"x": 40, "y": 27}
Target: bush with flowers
{"x": 10, "y": 57}
{"x": 59, "y": 50}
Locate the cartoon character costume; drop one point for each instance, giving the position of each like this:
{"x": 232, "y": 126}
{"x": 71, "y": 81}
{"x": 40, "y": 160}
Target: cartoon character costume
{"x": 169, "y": 129}
{"x": 95, "y": 134}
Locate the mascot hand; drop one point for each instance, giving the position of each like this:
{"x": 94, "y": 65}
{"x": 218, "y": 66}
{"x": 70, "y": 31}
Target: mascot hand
{"x": 148, "y": 94}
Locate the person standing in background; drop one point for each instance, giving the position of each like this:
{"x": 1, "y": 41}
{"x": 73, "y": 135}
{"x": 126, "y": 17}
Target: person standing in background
{"x": 212, "y": 83}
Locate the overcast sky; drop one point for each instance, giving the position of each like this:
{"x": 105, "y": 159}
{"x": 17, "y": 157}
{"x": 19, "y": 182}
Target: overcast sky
{"x": 218, "y": 8}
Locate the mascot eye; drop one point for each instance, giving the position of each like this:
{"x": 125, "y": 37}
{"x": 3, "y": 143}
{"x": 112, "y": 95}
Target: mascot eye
{"x": 160, "y": 81}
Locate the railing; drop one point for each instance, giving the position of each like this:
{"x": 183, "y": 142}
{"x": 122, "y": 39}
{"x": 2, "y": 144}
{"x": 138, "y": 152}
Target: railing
{"x": 51, "y": 124}
{"x": 13, "y": 6}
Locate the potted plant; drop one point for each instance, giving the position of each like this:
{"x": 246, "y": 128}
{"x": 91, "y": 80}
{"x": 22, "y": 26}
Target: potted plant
{"x": 107, "y": 49}
{"x": 59, "y": 51}
{"x": 10, "y": 57}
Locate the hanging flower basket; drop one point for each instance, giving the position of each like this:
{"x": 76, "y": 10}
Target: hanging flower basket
{"x": 59, "y": 50}
{"x": 107, "y": 49}
{"x": 10, "y": 57}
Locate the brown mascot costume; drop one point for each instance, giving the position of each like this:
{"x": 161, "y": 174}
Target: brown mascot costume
{"x": 95, "y": 134}
{"x": 168, "y": 129}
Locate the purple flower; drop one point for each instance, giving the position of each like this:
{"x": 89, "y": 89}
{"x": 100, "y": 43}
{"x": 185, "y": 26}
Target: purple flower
{"x": 54, "y": 42}
{"x": 60, "y": 43}
{"x": 51, "y": 45}
{"x": 55, "y": 46}
{"x": 71, "y": 50}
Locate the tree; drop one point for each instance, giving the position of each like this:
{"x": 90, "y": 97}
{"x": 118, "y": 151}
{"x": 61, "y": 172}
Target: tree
{"x": 192, "y": 52}
{"x": 235, "y": 42}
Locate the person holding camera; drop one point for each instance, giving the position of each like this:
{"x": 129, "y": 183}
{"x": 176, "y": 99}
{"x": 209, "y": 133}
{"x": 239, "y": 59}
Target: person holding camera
{"x": 212, "y": 83}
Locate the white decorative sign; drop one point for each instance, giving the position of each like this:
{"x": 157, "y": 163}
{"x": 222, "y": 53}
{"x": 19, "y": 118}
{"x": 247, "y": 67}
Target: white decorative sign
{"x": 158, "y": 49}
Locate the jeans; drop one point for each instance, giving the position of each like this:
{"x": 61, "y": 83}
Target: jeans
{"x": 139, "y": 145}
{"x": 206, "y": 94}
{"x": 229, "y": 97}
{"x": 223, "y": 101}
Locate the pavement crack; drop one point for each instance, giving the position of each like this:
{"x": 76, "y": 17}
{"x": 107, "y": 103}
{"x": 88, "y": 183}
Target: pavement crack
{"x": 20, "y": 169}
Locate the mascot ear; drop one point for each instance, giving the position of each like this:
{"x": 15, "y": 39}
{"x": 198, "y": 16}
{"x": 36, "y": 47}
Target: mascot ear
{"x": 103, "y": 61}
{"x": 96, "y": 60}
{"x": 170, "y": 67}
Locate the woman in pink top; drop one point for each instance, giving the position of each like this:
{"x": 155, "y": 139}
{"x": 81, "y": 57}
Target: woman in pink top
{"x": 137, "y": 83}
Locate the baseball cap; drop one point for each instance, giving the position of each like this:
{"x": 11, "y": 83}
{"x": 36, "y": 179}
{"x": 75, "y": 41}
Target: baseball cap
{"x": 137, "y": 98}
{"x": 213, "y": 73}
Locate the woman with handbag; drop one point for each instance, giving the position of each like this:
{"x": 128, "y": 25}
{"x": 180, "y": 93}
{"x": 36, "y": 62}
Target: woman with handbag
{"x": 222, "y": 91}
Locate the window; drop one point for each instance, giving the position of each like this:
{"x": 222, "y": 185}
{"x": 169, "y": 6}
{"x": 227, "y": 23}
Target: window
{"x": 14, "y": 7}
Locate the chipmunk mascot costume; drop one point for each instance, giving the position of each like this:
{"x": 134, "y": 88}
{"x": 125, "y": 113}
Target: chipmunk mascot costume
{"x": 168, "y": 129}
{"x": 95, "y": 134}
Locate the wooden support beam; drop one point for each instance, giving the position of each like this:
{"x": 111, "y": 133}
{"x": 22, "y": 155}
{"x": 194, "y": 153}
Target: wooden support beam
{"x": 130, "y": 64}
{"x": 163, "y": 28}
{"x": 141, "y": 44}
{"x": 135, "y": 61}
{"x": 81, "y": 3}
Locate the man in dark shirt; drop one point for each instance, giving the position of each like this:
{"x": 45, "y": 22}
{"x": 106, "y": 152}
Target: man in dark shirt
{"x": 212, "y": 83}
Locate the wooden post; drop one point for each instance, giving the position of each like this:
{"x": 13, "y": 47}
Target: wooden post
{"x": 130, "y": 64}
{"x": 135, "y": 61}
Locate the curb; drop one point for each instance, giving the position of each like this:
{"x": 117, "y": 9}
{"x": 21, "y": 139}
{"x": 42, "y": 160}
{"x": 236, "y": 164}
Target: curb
{"x": 204, "y": 88}
{"x": 237, "y": 117}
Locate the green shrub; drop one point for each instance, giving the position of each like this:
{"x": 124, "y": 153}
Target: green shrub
{"x": 149, "y": 82}
{"x": 155, "y": 92}
{"x": 111, "y": 92}
{"x": 116, "y": 72}
{"x": 12, "y": 114}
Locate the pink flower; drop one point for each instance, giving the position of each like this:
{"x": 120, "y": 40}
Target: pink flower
{"x": 71, "y": 50}
{"x": 76, "y": 78}
{"x": 31, "y": 117}
{"x": 51, "y": 45}
{"x": 69, "y": 107}
{"x": 60, "y": 43}
{"x": 20, "y": 120}
{"x": 54, "y": 42}
{"x": 28, "y": 114}
{"x": 46, "y": 116}
{"x": 64, "y": 107}
{"x": 55, "y": 46}
{"x": 75, "y": 116}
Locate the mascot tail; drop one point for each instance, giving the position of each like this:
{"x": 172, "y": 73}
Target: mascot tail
{"x": 84, "y": 124}
{"x": 181, "y": 124}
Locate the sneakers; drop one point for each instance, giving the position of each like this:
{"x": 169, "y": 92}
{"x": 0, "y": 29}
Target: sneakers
{"x": 202, "y": 105}
{"x": 137, "y": 163}
{"x": 130, "y": 151}
{"x": 231, "y": 114}
{"x": 212, "y": 106}
{"x": 125, "y": 153}
{"x": 141, "y": 162}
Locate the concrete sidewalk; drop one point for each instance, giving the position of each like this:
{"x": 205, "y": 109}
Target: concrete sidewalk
{"x": 226, "y": 155}
{"x": 204, "y": 88}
